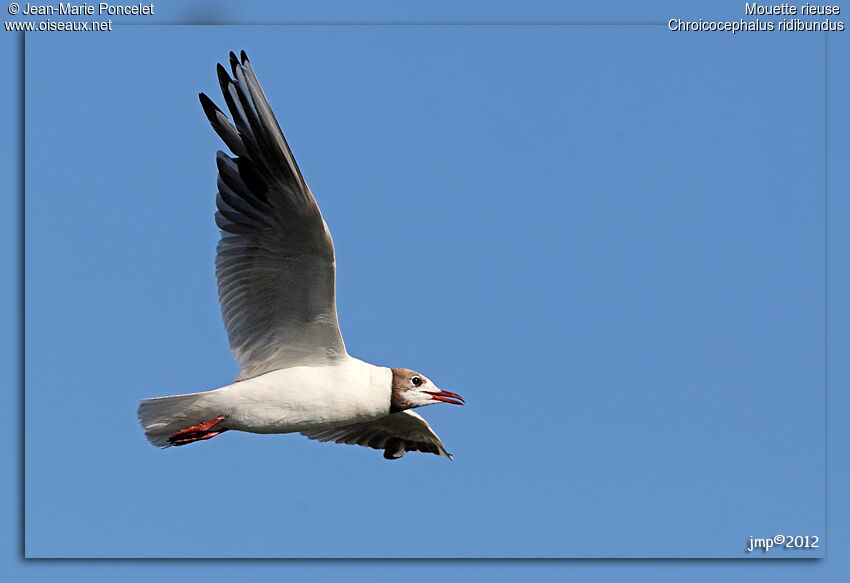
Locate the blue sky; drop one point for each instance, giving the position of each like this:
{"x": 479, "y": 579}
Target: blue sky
{"x": 610, "y": 240}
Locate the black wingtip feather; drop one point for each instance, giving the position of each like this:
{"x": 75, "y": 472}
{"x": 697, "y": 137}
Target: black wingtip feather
{"x": 210, "y": 108}
{"x": 223, "y": 76}
{"x": 244, "y": 57}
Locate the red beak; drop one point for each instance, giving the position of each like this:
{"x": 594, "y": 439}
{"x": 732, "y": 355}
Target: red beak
{"x": 447, "y": 397}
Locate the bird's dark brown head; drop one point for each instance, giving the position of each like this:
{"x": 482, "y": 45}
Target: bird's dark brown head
{"x": 411, "y": 389}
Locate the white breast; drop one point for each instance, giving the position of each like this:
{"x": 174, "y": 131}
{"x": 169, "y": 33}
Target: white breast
{"x": 307, "y": 397}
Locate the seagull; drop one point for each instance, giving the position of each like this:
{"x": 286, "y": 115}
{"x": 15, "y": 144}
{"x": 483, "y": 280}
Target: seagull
{"x": 275, "y": 271}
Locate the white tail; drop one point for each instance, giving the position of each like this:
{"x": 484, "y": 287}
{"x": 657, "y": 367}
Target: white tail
{"x": 162, "y": 417}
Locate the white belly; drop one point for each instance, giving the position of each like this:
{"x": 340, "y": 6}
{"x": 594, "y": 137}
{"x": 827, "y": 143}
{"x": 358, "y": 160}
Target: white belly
{"x": 307, "y": 397}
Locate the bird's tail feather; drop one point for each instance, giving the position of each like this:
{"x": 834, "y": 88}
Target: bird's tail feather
{"x": 162, "y": 417}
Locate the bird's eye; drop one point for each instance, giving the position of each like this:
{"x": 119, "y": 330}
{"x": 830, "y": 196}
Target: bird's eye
{"x": 416, "y": 381}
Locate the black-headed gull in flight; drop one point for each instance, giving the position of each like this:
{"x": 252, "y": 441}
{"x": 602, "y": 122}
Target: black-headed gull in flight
{"x": 275, "y": 269}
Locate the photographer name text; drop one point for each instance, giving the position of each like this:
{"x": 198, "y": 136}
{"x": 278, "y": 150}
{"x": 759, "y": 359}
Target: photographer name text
{"x": 85, "y": 9}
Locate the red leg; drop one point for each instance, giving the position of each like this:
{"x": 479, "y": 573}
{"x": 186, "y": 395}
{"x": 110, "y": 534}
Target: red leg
{"x": 197, "y": 432}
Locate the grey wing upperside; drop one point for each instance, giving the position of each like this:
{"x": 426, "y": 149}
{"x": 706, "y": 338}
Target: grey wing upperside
{"x": 396, "y": 434}
{"x": 275, "y": 261}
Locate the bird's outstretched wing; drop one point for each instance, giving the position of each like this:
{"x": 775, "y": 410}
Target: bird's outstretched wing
{"x": 396, "y": 434}
{"x": 275, "y": 261}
